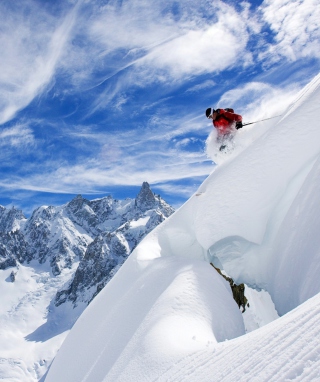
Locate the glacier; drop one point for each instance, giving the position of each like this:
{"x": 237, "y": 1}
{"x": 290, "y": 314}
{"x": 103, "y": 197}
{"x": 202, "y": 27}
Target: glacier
{"x": 167, "y": 315}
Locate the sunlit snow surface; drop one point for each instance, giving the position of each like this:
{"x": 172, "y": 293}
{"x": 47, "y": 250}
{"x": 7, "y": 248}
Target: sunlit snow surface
{"x": 28, "y": 341}
{"x": 169, "y": 316}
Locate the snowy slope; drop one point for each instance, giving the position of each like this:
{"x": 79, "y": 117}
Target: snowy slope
{"x": 173, "y": 317}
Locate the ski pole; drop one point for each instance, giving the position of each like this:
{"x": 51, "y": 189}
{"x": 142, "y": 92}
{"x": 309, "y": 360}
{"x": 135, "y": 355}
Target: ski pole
{"x": 250, "y": 123}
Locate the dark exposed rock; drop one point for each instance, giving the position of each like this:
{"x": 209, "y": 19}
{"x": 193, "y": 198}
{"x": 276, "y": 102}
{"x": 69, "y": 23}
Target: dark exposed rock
{"x": 237, "y": 290}
{"x": 146, "y": 199}
{"x": 104, "y": 254}
{"x": 7, "y": 263}
{"x": 12, "y": 276}
{"x": 52, "y": 236}
{"x": 13, "y": 249}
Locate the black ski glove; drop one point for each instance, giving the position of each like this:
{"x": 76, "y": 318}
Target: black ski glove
{"x": 238, "y": 125}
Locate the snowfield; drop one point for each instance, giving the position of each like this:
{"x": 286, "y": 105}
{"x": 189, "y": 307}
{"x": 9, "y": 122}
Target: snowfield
{"x": 168, "y": 315}
{"x": 26, "y": 337}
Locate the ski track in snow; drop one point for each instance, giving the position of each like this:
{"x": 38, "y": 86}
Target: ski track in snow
{"x": 283, "y": 345}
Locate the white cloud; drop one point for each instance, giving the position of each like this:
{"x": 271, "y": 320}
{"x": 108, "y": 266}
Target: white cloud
{"x": 258, "y": 100}
{"x": 16, "y": 136}
{"x": 296, "y": 27}
{"x": 31, "y": 43}
{"x": 157, "y": 43}
{"x": 205, "y": 85}
{"x": 135, "y": 25}
{"x": 138, "y": 42}
{"x": 205, "y": 45}
{"x": 209, "y": 49}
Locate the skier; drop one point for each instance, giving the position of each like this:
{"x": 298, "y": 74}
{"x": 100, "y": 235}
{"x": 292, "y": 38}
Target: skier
{"x": 225, "y": 121}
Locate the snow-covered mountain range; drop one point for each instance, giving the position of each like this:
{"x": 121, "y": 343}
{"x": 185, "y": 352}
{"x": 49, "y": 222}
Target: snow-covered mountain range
{"x": 173, "y": 316}
{"x": 54, "y": 263}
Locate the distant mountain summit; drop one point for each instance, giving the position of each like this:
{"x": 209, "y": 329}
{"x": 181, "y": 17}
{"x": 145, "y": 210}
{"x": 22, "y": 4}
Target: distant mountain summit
{"x": 132, "y": 221}
{"x": 146, "y": 198}
{"x": 98, "y": 234}
{"x": 10, "y": 219}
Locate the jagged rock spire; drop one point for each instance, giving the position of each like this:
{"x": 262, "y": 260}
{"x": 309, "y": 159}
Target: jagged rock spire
{"x": 145, "y": 199}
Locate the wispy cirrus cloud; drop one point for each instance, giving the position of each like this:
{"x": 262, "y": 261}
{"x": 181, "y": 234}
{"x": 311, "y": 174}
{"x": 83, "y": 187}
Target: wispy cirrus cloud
{"x": 104, "y": 158}
{"x": 160, "y": 42}
{"x": 89, "y": 177}
{"x": 202, "y": 86}
{"x": 145, "y": 43}
{"x": 15, "y": 136}
{"x": 32, "y": 42}
{"x": 269, "y": 100}
{"x": 136, "y": 44}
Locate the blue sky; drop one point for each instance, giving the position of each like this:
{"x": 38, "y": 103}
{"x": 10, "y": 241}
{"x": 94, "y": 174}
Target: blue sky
{"x": 99, "y": 96}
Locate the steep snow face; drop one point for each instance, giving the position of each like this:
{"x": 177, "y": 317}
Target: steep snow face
{"x": 255, "y": 217}
{"x": 294, "y": 258}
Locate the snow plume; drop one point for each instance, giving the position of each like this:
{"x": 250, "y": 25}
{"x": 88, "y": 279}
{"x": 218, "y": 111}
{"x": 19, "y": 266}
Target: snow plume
{"x": 255, "y": 217}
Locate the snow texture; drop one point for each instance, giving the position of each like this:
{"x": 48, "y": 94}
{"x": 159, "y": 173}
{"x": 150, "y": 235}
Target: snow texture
{"x": 167, "y": 315}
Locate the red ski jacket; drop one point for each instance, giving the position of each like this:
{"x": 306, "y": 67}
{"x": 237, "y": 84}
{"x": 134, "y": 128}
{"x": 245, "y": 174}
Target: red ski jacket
{"x": 225, "y": 121}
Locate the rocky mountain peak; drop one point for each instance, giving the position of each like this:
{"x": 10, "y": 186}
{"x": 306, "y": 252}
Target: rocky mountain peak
{"x": 146, "y": 199}
{"x": 105, "y": 255}
{"x": 77, "y": 203}
{"x": 10, "y": 219}
{"x": 80, "y": 212}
